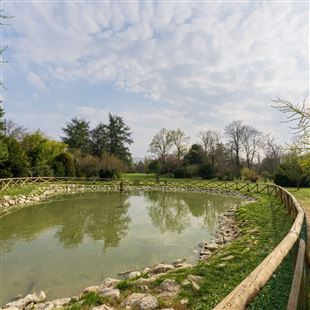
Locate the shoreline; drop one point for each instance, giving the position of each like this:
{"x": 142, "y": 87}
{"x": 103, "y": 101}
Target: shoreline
{"x": 226, "y": 232}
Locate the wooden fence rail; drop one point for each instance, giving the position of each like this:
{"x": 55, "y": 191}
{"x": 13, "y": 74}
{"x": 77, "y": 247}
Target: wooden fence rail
{"x": 248, "y": 289}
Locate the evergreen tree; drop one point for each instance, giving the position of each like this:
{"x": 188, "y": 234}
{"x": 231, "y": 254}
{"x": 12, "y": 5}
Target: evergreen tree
{"x": 119, "y": 136}
{"x": 99, "y": 140}
{"x": 77, "y": 135}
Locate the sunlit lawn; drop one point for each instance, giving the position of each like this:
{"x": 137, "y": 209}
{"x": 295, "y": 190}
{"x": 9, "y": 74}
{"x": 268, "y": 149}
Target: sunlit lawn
{"x": 303, "y": 197}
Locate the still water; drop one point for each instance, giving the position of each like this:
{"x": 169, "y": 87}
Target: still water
{"x": 66, "y": 244}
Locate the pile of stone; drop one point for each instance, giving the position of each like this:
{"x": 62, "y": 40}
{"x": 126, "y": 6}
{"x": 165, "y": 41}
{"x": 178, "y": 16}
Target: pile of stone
{"x": 226, "y": 232}
{"x": 108, "y": 289}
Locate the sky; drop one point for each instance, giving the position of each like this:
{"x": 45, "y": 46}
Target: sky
{"x": 189, "y": 65}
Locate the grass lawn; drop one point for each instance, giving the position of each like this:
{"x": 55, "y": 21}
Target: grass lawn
{"x": 303, "y": 197}
{"x": 19, "y": 190}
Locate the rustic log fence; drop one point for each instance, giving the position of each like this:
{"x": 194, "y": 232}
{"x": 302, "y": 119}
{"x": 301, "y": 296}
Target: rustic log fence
{"x": 249, "y": 288}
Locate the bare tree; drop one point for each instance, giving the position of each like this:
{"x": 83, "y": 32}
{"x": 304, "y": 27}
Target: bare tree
{"x": 251, "y": 141}
{"x": 209, "y": 140}
{"x": 298, "y": 113}
{"x": 13, "y": 130}
{"x": 180, "y": 141}
{"x": 270, "y": 147}
{"x": 161, "y": 144}
{"x": 234, "y": 133}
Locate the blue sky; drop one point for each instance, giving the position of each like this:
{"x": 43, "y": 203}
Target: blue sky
{"x": 192, "y": 65}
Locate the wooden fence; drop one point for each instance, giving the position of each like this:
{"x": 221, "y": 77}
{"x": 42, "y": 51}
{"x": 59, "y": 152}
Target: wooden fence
{"x": 238, "y": 186}
{"x": 248, "y": 289}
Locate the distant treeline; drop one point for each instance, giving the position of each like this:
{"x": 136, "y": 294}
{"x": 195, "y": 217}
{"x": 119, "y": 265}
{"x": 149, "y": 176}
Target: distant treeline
{"x": 103, "y": 152}
{"x": 246, "y": 153}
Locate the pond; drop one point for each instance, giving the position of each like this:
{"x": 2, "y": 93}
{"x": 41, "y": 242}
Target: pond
{"x": 66, "y": 244}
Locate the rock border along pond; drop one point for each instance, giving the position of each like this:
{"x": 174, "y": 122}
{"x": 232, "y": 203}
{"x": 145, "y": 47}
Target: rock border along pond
{"x": 226, "y": 232}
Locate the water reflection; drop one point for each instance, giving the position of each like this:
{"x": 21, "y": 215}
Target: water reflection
{"x": 73, "y": 242}
{"x": 104, "y": 219}
{"x": 170, "y": 212}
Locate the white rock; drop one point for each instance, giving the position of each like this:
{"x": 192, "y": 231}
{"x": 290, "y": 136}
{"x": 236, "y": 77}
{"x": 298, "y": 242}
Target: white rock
{"x": 161, "y": 268}
{"x": 185, "y": 282}
{"x": 184, "y": 301}
{"x": 183, "y": 266}
{"x": 89, "y": 289}
{"x": 145, "y": 281}
{"x": 134, "y": 274}
{"x": 111, "y": 293}
{"x": 212, "y": 246}
{"x": 102, "y": 307}
{"x": 141, "y": 301}
{"x": 29, "y": 306}
{"x": 146, "y": 270}
{"x": 23, "y": 302}
{"x": 109, "y": 282}
{"x": 170, "y": 285}
{"x": 44, "y": 306}
{"x": 58, "y": 303}
{"x": 205, "y": 252}
{"x": 194, "y": 278}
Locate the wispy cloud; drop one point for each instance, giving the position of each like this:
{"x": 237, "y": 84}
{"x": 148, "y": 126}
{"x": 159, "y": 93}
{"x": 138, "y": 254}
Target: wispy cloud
{"x": 220, "y": 59}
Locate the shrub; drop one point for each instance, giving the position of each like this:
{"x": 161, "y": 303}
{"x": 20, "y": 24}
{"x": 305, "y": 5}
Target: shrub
{"x": 206, "y": 171}
{"x": 180, "y": 172}
{"x": 282, "y": 179}
{"x": 16, "y": 163}
{"x": 192, "y": 171}
{"x": 111, "y": 166}
{"x": 88, "y": 166}
{"x": 266, "y": 175}
{"x": 63, "y": 165}
{"x": 153, "y": 166}
{"x": 107, "y": 173}
{"x": 249, "y": 175}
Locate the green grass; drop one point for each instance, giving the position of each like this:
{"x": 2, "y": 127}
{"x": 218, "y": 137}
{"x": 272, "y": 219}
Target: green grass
{"x": 152, "y": 176}
{"x": 19, "y": 190}
{"x": 303, "y": 196}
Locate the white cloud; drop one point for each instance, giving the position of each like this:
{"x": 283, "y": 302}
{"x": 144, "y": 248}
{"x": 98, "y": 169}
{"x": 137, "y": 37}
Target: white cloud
{"x": 36, "y": 80}
{"x": 218, "y": 60}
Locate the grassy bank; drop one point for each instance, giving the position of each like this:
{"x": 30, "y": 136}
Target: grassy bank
{"x": 263, "y": 224}
{"x": 20, "y": 190}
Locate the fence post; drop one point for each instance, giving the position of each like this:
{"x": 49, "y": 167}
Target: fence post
{"x": 298, "y": 284}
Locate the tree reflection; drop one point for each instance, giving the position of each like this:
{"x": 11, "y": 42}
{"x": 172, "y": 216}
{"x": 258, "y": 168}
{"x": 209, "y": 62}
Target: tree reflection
{"x": 97, "y": 216}
{"x": 168, "y": 212}
{"x": 171, "y": 211}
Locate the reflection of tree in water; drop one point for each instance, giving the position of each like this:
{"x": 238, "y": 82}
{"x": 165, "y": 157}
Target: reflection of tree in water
{"x": 103, "y": 218}
{"x": 209, "y": 206}
{"x": 168, "y": 212}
